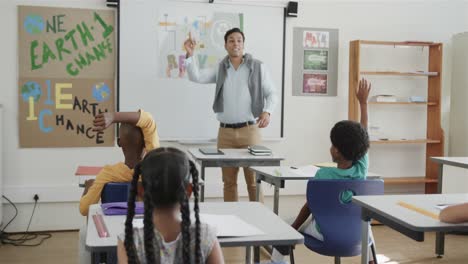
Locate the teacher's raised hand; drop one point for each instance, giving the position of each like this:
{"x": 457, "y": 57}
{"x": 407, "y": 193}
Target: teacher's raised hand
{"x": 189, "y": 45}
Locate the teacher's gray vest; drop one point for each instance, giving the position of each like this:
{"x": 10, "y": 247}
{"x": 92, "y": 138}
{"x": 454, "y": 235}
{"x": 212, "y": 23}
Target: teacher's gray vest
{"x": 254, "y": 83}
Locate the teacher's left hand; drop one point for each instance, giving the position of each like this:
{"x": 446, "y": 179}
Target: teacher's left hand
{"x": 263, "y": 120}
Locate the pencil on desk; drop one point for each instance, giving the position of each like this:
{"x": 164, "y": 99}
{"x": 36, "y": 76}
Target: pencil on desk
{"x": 100, "y": 225}
{"x": 419, "y": 210}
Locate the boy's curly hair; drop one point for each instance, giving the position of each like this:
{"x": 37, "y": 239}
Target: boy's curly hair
{"x": 351, "y": 139}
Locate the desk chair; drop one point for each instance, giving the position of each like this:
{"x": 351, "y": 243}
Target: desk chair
{"x": 115, "y": 192}
{"x": 339, "y": 219}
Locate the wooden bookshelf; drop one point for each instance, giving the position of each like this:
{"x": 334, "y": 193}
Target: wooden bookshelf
{"x": 398, "y": 43}
{"x": 403, "y": 103}
{"x": 408, "y": 180}
{"x": 404, "y": 141}
{"x": 434, "y": 140}
{"x": 395, "y": 73}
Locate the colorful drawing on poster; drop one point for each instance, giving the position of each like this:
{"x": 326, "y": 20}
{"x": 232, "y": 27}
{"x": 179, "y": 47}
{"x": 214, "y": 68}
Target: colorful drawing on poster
{"x": 316, "y": 39}
{"x": 314, "y": 83}
{"x": 208, "y": 32}
{"x": 316, "y": 60}
{"x": 66, "y": 76}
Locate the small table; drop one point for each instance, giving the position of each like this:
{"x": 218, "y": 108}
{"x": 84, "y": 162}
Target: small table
{"x": 276, "y": 231}
{"x": 410, "y": 222}
{"x": 277, "y": 176}
{"x": 230, "y": 158}
{"x": 85, "y": 173}
{"x": 461, "y": 162}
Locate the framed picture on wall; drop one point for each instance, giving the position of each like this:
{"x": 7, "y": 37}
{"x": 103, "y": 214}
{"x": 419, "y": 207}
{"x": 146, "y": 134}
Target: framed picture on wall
{"x": 315, "y": 62}
{"x": 314, "y": 83}
{"x": 315, "y": 39}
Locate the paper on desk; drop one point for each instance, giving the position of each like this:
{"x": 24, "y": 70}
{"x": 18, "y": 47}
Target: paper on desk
{"x": 309, "y": 170}
{"x": 443, "y": 206}
{"x": 225, "y": 225}
{"x": 326, "y": 164}
{"x": 230, "y": 225}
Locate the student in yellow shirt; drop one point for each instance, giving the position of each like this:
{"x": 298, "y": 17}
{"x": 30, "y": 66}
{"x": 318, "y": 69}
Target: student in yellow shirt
{"x": 138, "y": 135}
{"x": 455, "y": 213}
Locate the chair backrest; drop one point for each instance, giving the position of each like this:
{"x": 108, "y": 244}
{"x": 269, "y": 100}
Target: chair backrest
{"x": 115, "y": 192}
{"x": 339, "y": 220}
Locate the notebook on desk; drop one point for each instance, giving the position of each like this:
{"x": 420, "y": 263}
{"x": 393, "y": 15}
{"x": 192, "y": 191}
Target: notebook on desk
{"x": 211, "y": 151}
{"x": 258, "y": 150}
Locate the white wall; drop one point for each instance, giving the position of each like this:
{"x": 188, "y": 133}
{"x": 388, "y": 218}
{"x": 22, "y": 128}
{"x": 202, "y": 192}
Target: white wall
{"x": 49, "y": 172}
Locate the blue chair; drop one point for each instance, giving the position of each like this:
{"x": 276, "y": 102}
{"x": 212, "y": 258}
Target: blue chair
{"x": 115, "y": 192}
{"x": 338, "y": 218}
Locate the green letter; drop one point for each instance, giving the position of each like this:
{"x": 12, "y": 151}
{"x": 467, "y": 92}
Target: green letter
{"x": 46, "y": 53}
{"x": 72, "y": 72}
{"x": 33, "y": 55}
{"x": 107, "y": 29}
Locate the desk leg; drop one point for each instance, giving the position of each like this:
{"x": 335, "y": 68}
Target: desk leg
{"x": 202, "y": 188}
{"x": 440, "y": 176}
{"x": 248, "y": 255}
{"x": 365, "y": 242}
{"x": 259, "y": 184}
{"x": 440, "y": 237}
{"x": 440, "y": 241}
{"x": 276, "y": 200}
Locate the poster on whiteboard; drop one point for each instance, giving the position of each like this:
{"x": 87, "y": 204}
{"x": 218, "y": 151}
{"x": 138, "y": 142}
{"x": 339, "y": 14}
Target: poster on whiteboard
{"x": 207, "y": 30}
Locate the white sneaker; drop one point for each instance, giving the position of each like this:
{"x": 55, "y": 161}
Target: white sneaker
{"x": 277, "y": 257}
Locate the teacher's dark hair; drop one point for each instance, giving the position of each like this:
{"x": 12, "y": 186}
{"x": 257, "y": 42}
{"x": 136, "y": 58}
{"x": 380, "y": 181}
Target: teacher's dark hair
{"x": 233, "y": 30}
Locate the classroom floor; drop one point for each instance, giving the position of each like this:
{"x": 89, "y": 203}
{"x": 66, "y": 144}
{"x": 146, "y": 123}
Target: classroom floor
{"x": 392, "y": 247}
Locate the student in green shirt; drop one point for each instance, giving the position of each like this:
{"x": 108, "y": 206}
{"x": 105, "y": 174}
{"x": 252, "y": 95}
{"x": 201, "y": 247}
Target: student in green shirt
{"x": 350, "y": 143}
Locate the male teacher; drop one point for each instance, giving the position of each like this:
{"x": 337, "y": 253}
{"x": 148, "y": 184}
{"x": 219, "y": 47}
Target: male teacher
{"x": 244, "y": 100}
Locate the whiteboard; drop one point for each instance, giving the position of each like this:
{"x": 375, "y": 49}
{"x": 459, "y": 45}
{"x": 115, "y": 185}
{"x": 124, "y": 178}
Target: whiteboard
{"x": 183, "y": 109}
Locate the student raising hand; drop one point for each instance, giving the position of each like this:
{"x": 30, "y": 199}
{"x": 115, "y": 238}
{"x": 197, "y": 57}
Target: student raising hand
{"x": 362, "y": 95}
{"x": 103, "y": 121}
{"x": 363, "y": 90}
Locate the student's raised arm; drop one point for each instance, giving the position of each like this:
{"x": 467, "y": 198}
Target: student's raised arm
{"x": 455, "y": 213}
{"x": 362, "y": 95}
{"x": 104, "y": 120}
{"x": 192, "y": 67}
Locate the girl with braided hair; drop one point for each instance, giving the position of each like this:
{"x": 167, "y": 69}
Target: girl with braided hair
{"x": 165, "y": 239}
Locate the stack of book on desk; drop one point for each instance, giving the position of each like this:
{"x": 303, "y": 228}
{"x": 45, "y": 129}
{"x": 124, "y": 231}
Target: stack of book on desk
{"x": 258, "y": 150}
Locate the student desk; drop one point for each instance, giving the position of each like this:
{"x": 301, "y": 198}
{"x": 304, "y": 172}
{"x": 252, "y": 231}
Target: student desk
{"x": 277, "y": 176}
{"x": 410, "y": 222}
{"x": 230, "y": 158}
{"x": 461, "y": 162}
{"x": 277, "y": 232}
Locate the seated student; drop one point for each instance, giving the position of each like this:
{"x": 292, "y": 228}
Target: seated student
{"x": 350, "y": 143}
{"x": 165, "y": 237}
{"x": 455, "y": 213}
{"x": 137, "y": 135}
